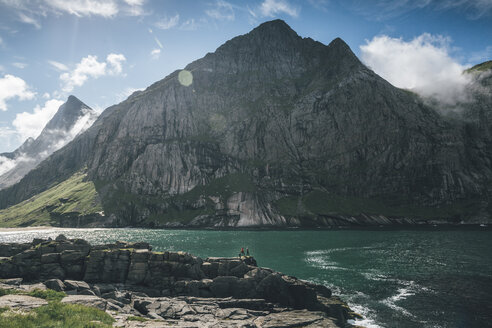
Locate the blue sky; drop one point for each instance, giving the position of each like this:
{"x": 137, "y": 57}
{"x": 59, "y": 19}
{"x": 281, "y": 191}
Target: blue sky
{"x": 102, "y": 50}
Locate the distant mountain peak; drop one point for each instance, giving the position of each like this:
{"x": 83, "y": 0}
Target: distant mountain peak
{"x": 71, "y": 118}
{"x": 68, "y": 114}
{"x": 72, "y": 99}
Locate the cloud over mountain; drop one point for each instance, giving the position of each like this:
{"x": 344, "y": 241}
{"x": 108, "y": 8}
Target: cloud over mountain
{"x": 423, "y": 64}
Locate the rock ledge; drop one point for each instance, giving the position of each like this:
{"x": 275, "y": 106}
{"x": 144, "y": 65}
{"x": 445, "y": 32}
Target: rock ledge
{"x": 130, "y": 280}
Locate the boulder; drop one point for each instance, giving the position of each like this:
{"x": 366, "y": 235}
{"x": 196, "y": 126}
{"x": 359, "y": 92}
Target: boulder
{"x": 76, "y": 285}
{"x": 61, "y": 237}
{"x": 12, "y": 281}
{"x": 87, "y": 300}
{"x": 298, "y": 318}
{"x": 121, "y": 297}
{"x": 55, "y": 284}
{"x": 23, "y": 302}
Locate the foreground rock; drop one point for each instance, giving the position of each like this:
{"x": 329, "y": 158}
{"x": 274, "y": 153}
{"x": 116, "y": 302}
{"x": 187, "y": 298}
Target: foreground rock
{"x": 129, "y": 281}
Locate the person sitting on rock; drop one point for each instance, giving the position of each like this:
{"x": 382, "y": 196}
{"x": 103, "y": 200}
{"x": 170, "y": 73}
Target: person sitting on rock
{"x": 242, "y": 251}
{"x": 247, "y": 251}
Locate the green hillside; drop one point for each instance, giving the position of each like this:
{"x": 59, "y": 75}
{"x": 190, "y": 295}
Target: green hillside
{"x": 73, "y": 197}
{"x": 480, "y": 67}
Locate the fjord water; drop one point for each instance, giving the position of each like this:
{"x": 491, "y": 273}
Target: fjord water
{"x": 393, "y": 278}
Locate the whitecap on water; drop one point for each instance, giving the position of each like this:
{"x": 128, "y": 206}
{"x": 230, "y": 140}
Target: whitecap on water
{"x": 367, "y": 320}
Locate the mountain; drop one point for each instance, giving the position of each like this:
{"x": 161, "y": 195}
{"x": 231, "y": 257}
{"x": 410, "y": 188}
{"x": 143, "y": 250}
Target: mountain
{"x": 270, "y": 129}
{"x": 72, "y": 118}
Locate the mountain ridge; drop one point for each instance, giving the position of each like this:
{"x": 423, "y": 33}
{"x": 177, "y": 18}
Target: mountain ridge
{"x": 71, "y": 118}
{"x": 274, "y": 131}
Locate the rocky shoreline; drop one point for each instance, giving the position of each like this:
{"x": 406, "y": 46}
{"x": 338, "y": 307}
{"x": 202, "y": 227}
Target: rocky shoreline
{"x": 129, "y": 280}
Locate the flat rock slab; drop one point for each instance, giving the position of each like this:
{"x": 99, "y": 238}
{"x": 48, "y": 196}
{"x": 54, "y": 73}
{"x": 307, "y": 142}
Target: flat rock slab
{"x": 296, "y": 318}
{"x": 21, "y": 301}
{"x": 87, "y": 300}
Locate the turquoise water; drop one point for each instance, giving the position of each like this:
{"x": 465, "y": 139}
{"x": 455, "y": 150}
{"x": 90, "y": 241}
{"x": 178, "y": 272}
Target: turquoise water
{"x": 393, "y": 278}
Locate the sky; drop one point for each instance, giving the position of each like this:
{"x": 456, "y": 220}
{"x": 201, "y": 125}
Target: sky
{"x": 103, "y": 50}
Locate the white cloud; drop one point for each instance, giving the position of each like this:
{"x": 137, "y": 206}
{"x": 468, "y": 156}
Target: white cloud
{"x": 222, "y": 11}
{"x": 90, "y": 67}
{"x": 135, "y": 2}
{"x": 46, "y": 95}
{"x": 155, "y": 53}
{"x": 6, "y": 164}
{"x": 115, "y": 62}
{"x": 167, "y": 23}
{"x": 423, "y": 64}
{"x": 29, "y": 20}
{"x": 388, "y": 9}
{"x": 320, "y": 4}
{"x": 30, "y": 10}
{"x": 19, "y": 65}
{"x": 31, "y": 124}
{"x": 58, "y": 66}
{"x": 271, "y": 8}
{"x": 105, "y": 8}
{"x": 135, "y": 7}
{"x": 127, "y": 93}
{"x": 83, "y": 123}
{"x": 9, "y": 138}
{"x": 189, "y": 25}
{"x": 13, "y": 87}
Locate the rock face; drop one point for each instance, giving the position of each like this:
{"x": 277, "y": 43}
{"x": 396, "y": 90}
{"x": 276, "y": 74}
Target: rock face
{"x": 130, "y": 279}
{"x": 276, "y": 130}
{"x": 72, "y": 118}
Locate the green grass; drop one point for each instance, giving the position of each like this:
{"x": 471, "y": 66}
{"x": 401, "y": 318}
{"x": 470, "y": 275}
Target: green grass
{"x": 480, "y": 67}
{"x": 49, "y": 294}
{"x": 321, "y": 203}
{"x": 54, "y": 315}
{"x": 134, "y": 318}
{"x": 57, "y": 315}
{"x": 73, "y": 196}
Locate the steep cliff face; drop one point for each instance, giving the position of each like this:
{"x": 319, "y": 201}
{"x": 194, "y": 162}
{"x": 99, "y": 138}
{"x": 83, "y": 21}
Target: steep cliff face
{"x": 72, "y": 118}
{"x": 275, "y": 129}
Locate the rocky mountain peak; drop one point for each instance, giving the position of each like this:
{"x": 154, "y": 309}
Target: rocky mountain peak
{"x": 68, "y": 114}
{"x": 72, "y": 118}
{"x": 274, "y": 29}
{"x": 265, "y": 40}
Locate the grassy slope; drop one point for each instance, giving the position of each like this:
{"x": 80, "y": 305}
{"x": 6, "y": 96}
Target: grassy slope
{"x": 480, "y": 67}
{"x": 73, "y": 195}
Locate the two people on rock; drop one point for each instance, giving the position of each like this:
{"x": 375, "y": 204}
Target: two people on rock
{"x": 242, "y": 252}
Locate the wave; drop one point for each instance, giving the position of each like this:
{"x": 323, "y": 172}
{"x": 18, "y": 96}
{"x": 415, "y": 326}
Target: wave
{"x": 368, "y": 317}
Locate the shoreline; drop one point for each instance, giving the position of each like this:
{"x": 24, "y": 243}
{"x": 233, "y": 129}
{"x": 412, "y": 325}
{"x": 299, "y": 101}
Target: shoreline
{"x": 34, "y": 228}
{"x": 426, "y": 227}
